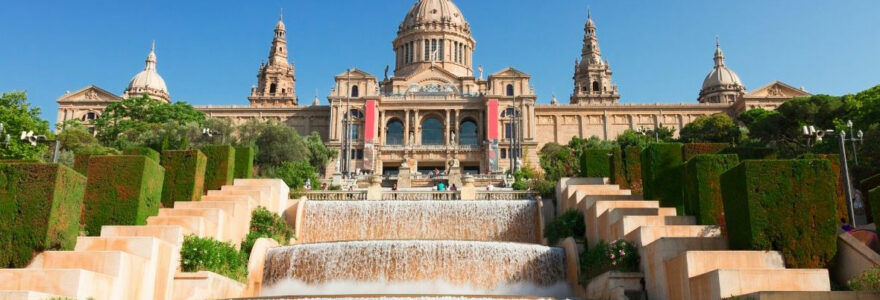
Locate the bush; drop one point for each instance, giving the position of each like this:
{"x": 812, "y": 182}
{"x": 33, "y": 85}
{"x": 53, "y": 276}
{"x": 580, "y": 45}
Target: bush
{"x": 867, "y": 281}
{"x": 244, "y": 162}
{"x": 618, "y": 173}
{"x": 121, "y": 190}
{"x": 783, "y": 205}
{"x": 296, "y": 173}
{"x": 148, "y": 152}
{"x": 184, "y": 176}
{"x": 266, "y": 224}
{"x": 595, "y": 163}
{"x": 632, "y": 167}
{"x": 692, "y": 149}
{"x": 874, "y": 200}
{"x": 81, "y": 163}
{"x": 701, "y": 187}
{"x": 661, "y": 172}
{"x": 840, "y": 187}
{"x": 207, "y": 254}
{"x": 220, "y": 167}
{"x": 40, "y": 205}
{"x": 751, "y": 152}
{"x": 620, "y": 256}
{"x": 568, "y": 224}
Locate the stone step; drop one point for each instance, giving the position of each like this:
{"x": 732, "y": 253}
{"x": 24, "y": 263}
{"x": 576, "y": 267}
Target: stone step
{"x": 205, "y": 285}
{"x": 217, "y": 216}
{"x": 163, "y": 258}
{"x": 199, "y": 226}
{"x": 126, "y": 268}
{"x": 614, "y": 215}
{"x": 280, "y": 190}
{"x": 580, "y": 195}
{"x": 72, "y": 283}
{"x": 654, "y": 256}
{"x": 251, "y": 203}
{"x": 726, "y": 283}
{"x": 238, "y": 212}
{"x": 596, "y": 209}
{"x": 263, "y": 194}
{"x": 628, "y": 224}
{"x": 172, "y": 234}
{"x": 645, "y": 235}
{"x": 26, "y": 295}
{"x": 260, "y": 197}
{"x": 690, "y": 264}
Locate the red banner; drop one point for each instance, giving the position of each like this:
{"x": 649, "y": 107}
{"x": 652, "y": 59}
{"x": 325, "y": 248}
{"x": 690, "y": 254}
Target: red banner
{"x": 370, "y": 121}
{"x": 492, "y": 119}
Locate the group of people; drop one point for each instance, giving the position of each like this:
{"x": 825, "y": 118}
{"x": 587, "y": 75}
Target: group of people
{"x": 443, "y": 187}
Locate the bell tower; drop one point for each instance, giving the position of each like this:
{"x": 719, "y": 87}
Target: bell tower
{"x": 276, "y": 82}
{"x": 592, "y": 75}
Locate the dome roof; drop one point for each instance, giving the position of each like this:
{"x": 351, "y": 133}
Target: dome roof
{"x": 721, "y": 76}
{"x": 441, "y": 12}
{"x": 148, "y": 81}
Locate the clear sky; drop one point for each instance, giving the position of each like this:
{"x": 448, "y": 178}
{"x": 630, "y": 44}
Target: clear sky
{"x": 660, "y": 51}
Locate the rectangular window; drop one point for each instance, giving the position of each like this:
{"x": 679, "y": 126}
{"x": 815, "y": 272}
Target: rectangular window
{"x": 427, "y": 50}
{"x": 440, "y": 53}
{"x": 508, "y": 131}
{"x": 433, "y": 48}
{"x": 412, "y": 50}
{"x": 503, "y": 153}
{"x": 355, "y": 131}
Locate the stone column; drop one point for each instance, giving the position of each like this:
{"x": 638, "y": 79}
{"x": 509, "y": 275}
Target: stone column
{"x": 468, "y": 191}
{"x": 374, "y": 191}
{"x": 404, "y": 179}
{"x": 406, "y": 128}
{"x": 446, "y": 128}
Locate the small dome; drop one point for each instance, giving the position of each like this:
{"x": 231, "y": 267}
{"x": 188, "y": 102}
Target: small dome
{"x": 721, "y": 77}
{"x": 148, "y": 81}
{"x": 280, "y": 25}
{"x": 440, "y": 12}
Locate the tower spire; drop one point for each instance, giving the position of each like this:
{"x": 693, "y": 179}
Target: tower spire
{"x": 150, "y": 63}
{"x": 719, "y": 55}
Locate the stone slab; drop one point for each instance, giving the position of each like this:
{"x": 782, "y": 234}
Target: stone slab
{"x": 170, "y": 234}
{"x": 238, "y": 213}
{"x": 837, "y": 295}
{"x": 612, "y": 285}
{"x": 217, "y": 216}
{"x": 599, "y": 207}
{"x": 628, "y": 224}
{"x": 263, "y": 195}
{"x": 281, "y": 190}
{"x": 205, "y": 285}
{"x": 645, "y": 235}
{"x": 654, "y": 256}
{"x": 613, "y": 215}
{"x": 127, "y": 269}
{"x": 25, "y": 295}
{"x": 690, "y": 264}
{"x": 74, "y": 283}
{"x": 725, "y": 283}
{"x": 163, "y": 259}
{"x": 191, "y": 224}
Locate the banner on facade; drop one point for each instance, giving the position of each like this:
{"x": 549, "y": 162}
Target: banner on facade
{"x": 493, "y": 156}
{"x": 368, "y": 156}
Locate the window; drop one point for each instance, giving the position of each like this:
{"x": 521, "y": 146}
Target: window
{"x": 90, "y": 116}
{"x": 508, "y": 131}
{"x": 354, "y": 92}
{"x": 355, "y": 131}
{"x": 427, "y": 50}
{"x": 595, "y": 86}
{"x": 272, "y": 88}
{"x": 433, "y": 48}
{"x": 440, "y": 52}
{"x": 394, "y": 132}
{"x": 355, "y": 114}
{"x": 510, "y": 90}
{"x": 411, "y": 51}
{"x": 468, "y": 133}
{"x": 432, "y": 132}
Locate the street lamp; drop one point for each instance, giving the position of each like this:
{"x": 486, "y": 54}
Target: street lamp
{"x": 644, "y": 131}
{"x": 5, "y": 141}
{"x": 855, "y": 138}
{"x": 811, "y": 131}
{"x": 210, "y": 133}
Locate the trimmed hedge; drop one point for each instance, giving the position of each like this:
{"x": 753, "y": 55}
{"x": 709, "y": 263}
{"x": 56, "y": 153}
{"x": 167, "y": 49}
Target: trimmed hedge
{"x": 81, "y": 163}
{"x": 184, "y": 176}
{"x": 690, "y": 150}
{"x": 751, "y": 152}
{"x": 874, "y": 200}
{"x": 244, "y": 162}
{"x": 148, "y": 152}
{"x": 783, "y": 205}
{"x": 632, "y": 167}
{"x": 595, "y": 163}
{"x": 701, "y": 186}
{"x": 618, "y": 173}
{"x": 870, "y": 183}
{"x": 661, "y": 173}
{"x": 40, "y": 205}
{"x": 840, "y": 187}
{"x": 121, "y": 190}
{"x": 866, "y": 186}
{"x": 220, "y": 168}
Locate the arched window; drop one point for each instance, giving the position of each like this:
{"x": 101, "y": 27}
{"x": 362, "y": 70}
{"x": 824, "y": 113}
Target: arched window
{"x": 272, "y": 88}
{"x": 468, "y": 133}
{"x": 355, "y": 114}
{"x": 509, "y": 112}
{"x": 354, "y": 92}
{"x": 510, "y": 90}
{"x": 394, "y": 132}
{"x": 595, "y": 86}
{"x": 432, "y": 132}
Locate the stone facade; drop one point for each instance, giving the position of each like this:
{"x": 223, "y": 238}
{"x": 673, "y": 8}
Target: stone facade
{"x": 434, "y": 111}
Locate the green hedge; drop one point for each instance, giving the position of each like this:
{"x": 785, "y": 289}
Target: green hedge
{"x": 40, "y": 207}
{"x": 751, "y": 152}
{"x": 632, "y": 167}
{"x": 595, "y": 163}
{"x": 783, "y": 205}
{"x": 661, "y": 173}
{"x": 618, "y": 173}
{"x": 145, "y": 151}
{"x": 221, "y": 166}
{"x": 690, "y": 150}
{"x": 840, "y": 187}
{"x": 121, "y": 190}
{"x": 81, "y": 163}
{"x": 568, "y": 224}
{"x": 184, "y": 176}
{"x": 266, "y": 224}
{"x": 865, "y": 186}
{"x": 701, "y": 187}
{"x": 874, "y": 200}
{"x": 244, "y": 162}
{"x": 207, "y": 254}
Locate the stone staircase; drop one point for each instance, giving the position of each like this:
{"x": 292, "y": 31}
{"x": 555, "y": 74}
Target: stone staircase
{"x": 681, "y": 260}
{"x": 143, "y": 262}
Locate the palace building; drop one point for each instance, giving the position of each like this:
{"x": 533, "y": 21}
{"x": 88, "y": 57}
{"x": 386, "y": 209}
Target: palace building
{"x": 437, "y": 110}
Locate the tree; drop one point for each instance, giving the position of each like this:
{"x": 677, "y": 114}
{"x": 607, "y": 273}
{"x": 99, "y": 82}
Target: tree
{"x": 557, "y": 161}
{"x": 295, "y": 174}
{"x": 717, "y": 128}
{"x": 16, "y": 115}
{"x": 631, "y": 137}
{"x": 139, "y": 119}
{"x": 76, "y": 138}
{"x": 278, "y": 143}
{"x": 319, "y": 154}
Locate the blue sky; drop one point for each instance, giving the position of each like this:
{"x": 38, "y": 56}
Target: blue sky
{"x": 660, "y": 51}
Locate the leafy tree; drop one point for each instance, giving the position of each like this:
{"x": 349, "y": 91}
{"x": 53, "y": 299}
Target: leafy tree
{"x": 319, "y": 154}
{"x": 717, "y": 128}
{"x": 557, "y": 161}
{"x": 75, "y": 137}
{"x": 631, "y": 137}
{"x": 279, "y": 143}
{"x": 137, "y": 119}
{"x": 295, "y": 174}
{"x": 16, "y": 115}
{"x": 249, "y": 132}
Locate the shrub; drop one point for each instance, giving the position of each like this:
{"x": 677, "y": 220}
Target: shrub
{"x": 632, "y": 167}
{"x": 266, "y": 224}
{"x": 783, "y": 205}
{"x": 751, "y": 152}
{"x": 244, "y": 162}
{"x": 296, "y": 173}
{"x": 692, "y": 149}
{"x": 618, "y": 173}
{"x": 595, "y": 163}
{"x": 184, "y": 176}
{"x": 568, "y": 224}
{"x": 121, "y": 190}
{"x": 220, "y": 167}
{"x": 207, "y": 254}
{"x": 81, "y": 163}
{"x": 701, "y": 187}
{"x": 619, "y": 255}
{"x": 661, "y": 172}
{"x": 148, "y": 152}
{"x": 40, "y": 205}
{"x": 874, "y": 200}
{"x": 867, "y": 281}
{"x": 840, "y": 191}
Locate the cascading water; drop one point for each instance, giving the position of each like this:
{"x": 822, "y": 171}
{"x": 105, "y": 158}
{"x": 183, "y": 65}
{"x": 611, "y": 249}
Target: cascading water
{"x": 513, "y": 221}
{"x": 421, "y": 267}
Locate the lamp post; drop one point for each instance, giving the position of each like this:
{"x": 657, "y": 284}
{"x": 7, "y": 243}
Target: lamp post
{"x": 644, "y": 131}
{"x": 811, "y": 132}
{"x": 210, "y": 133}
{"x": 855, "y": 138}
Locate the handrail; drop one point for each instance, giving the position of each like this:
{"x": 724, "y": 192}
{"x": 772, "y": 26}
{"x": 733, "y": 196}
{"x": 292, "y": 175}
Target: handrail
{"x": 421, "y": 196}
{"x": 506, "y": 195}
{"x": 336, "y": 195}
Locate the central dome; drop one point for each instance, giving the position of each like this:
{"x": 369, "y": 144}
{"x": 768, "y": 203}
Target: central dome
{"x": 441, "y": 13}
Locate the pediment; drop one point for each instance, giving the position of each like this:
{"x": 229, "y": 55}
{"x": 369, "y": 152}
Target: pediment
{"x": 356, "y": 74}
{"x": 777, "y": 89}
{"x": 510, "y": 72}
{"x": 90, "y": 93}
